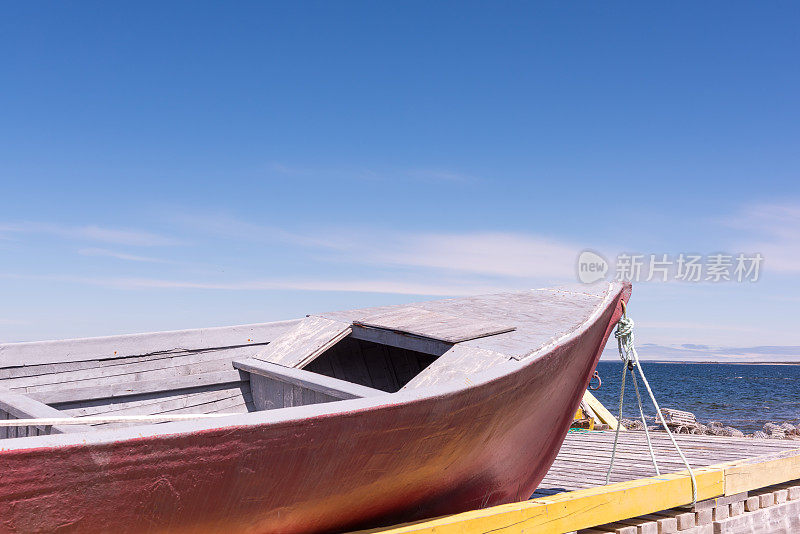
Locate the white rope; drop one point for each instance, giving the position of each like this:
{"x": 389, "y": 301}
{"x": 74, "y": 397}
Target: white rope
{"x": 630, "y": 358}
{"x": 619, "y": 424}
{"x": 644, "y": 423}
{"x": 58, "y": 421}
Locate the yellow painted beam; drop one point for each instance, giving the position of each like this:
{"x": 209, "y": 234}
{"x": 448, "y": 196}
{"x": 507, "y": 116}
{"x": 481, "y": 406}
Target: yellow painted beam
{"x": 754, "y": 473}
{"x": 574, "y": 510}
{"x": 601, "y": 412}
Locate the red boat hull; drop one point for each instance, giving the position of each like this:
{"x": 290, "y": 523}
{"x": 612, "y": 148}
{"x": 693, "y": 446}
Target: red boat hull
{"x": 464, "y": 449}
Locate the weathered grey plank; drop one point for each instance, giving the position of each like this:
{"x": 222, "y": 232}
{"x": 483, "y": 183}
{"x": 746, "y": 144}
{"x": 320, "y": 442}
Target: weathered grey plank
{"x": 459, "y": 363}
{"x": 307, "y": 396}
{"x": 150, "y": 405}
{"x": 400, "y": 340}
{"x": 584, "y": 457}
{"x": 404, "y": 365}
{"x": 191, "y": 361}
{"x": 305, "y": 379}
{"x": 21, "y": 407}
{"x": 74, "y": 350}
{"x": 348, "y": 361}
{"x": 378, "y": 367}
{"x": 105, "y": 377}
{"x": 307, "y": 340}
{"x": 267, "y": 392}
{"x": 433, "y": 325}
{"x": 133, "y": 388}
{"x": 291, "y": 391}
{"x": 231, "y": 404}
{"x": 322, "y": 397}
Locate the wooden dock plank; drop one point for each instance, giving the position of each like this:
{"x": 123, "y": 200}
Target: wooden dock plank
{"x": 584, "y": 456}
{"x": 573, "y": 496}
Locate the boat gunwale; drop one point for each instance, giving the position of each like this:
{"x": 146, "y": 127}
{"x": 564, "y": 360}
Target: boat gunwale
{"x": 114, "y": 346}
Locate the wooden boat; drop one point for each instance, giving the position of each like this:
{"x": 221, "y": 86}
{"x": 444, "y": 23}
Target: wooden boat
{"x": 338, "y": 421}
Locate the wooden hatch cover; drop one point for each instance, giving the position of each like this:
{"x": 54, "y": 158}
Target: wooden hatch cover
{"x": 423, "y": 323}
{"x": 301, "y": 345}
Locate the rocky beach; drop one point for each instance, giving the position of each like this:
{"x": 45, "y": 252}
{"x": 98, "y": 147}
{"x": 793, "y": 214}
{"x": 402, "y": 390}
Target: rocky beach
{"x": 785, "y": 430}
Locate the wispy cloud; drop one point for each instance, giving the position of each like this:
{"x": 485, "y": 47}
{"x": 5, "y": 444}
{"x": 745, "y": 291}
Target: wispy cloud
{"x": 495, "y": 254}
{"x": 360, "y": 286}
{"x": 226, "y": 226}
{"x": 410, "y": 287}
{"x": 120, "y": 255}
{"x": 488, "y": 253}
{"x": 774, "y": 231}
{"x": 89, "y": 233}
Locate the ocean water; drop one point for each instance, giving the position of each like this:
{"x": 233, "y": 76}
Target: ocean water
{"x": 742, "y": 396}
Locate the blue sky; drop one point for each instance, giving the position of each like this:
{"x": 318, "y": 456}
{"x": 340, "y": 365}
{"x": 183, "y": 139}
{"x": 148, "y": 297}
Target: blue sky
{"x": 176, "y": 165}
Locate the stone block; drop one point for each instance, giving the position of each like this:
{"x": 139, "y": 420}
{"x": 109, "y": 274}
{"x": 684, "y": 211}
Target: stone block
{"x": 643, "y": 526}
{"x": 685, "y": 521}
{"x": 751, "y": 504}
{"x": 703, "y": 517}
{"x": 721, "y": 512}
{"x": 666, "y": 524}
{"x": 783, "y": 518}
{"x": 765, "y": 500}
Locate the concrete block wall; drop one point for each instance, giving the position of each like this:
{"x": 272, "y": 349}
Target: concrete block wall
{"x": 772, "y": 510}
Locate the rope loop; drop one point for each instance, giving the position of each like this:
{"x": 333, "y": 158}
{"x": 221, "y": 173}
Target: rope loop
{"x": 624, "y": 335}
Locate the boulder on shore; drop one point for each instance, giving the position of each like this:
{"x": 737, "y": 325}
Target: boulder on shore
{"x": 632, "y": 424}
{"x": 734, "y": 432}
{"x": 769, "y": 428}
{"x": 790, "y": 429}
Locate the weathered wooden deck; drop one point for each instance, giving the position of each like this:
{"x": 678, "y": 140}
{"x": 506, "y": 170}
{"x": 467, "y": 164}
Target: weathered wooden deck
{"x": 573, "y": 496}
{"x": 583, "y": 459}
